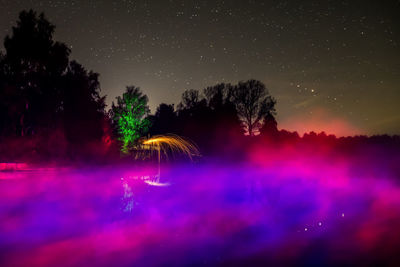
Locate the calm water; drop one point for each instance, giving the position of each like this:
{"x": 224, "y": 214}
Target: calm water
{"x": 209, "y": 215}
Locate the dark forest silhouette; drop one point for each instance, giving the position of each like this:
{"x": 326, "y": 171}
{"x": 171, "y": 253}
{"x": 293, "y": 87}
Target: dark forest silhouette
{"x": 51, "y": 108}
{"x": 44, "y": 96}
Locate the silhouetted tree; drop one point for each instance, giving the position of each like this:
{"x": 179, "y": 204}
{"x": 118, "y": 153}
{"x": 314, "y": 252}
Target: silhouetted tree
{"x": 83, "y": 108}
{"x": 193, "y": 117}
{"x": 165, "y": 120}
{"x": 224, "y": 122}
{"x": 224, "y": 113}
{"x": 270, "y": 126}
{"x": 253, "y": 103}
{"x": 190, "y": 99}
{"x": 129, "y": 117}
{"x": 41, "y": 91}
{"x": 33, "y": 66}
{"x": 217, "y": 95}
{"x": 3, "y": 102}
{"x": 211, "y": 119}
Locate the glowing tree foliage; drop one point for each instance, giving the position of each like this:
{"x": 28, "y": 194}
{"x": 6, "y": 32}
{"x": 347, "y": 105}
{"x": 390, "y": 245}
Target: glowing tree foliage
{"x": 130, "y": 117}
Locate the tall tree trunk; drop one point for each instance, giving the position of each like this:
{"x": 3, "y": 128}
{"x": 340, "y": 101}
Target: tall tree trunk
{"x": 250, "y": 129}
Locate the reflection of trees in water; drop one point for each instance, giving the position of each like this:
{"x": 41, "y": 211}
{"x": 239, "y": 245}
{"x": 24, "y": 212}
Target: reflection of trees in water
{"x": 127, "y": 199}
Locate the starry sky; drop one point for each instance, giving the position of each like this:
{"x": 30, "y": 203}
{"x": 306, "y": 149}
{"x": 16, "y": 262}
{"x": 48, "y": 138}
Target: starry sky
{"x": 331, "y": 65}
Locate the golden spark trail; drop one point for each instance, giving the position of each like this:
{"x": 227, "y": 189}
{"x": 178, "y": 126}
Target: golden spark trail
{"x": 173, "y": 143}
{"x": 168, "y": 143}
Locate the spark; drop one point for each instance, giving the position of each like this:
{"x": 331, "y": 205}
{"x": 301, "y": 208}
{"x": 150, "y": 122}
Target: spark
{"x": 173, "y": 143}
{"x": 165, "y": 143}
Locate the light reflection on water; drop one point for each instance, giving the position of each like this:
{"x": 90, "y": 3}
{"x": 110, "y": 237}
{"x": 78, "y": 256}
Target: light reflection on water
{"x": 209, "y": 215}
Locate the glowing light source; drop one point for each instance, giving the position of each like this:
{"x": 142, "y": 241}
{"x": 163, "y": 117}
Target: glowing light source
{"x": 167, "y": 143}
{"x": 173, "y": 143}
{"x": 153, "y": 183}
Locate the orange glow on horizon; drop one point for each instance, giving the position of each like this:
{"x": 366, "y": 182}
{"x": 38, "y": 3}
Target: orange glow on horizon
{"x": 320, "y": 120}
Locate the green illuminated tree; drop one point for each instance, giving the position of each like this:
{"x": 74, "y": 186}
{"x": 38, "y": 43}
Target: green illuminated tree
{"x": 129, "y": 117}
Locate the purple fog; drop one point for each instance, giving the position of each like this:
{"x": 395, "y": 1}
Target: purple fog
{"x": 199, "y": 133}
{"x": 292, "y": 214}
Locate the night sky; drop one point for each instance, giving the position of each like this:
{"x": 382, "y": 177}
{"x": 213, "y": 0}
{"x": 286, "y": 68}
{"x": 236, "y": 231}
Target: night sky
{"x": 331, "y": 65}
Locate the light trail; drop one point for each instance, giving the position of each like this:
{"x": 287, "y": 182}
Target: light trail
{"x": 173, "y": 143}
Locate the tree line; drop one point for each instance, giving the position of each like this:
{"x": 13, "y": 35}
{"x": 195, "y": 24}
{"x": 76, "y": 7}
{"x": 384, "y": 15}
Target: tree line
{"x": 51, "y": 106}
{"x": 43, "y": 91}
{"x": 219, "y": 113}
